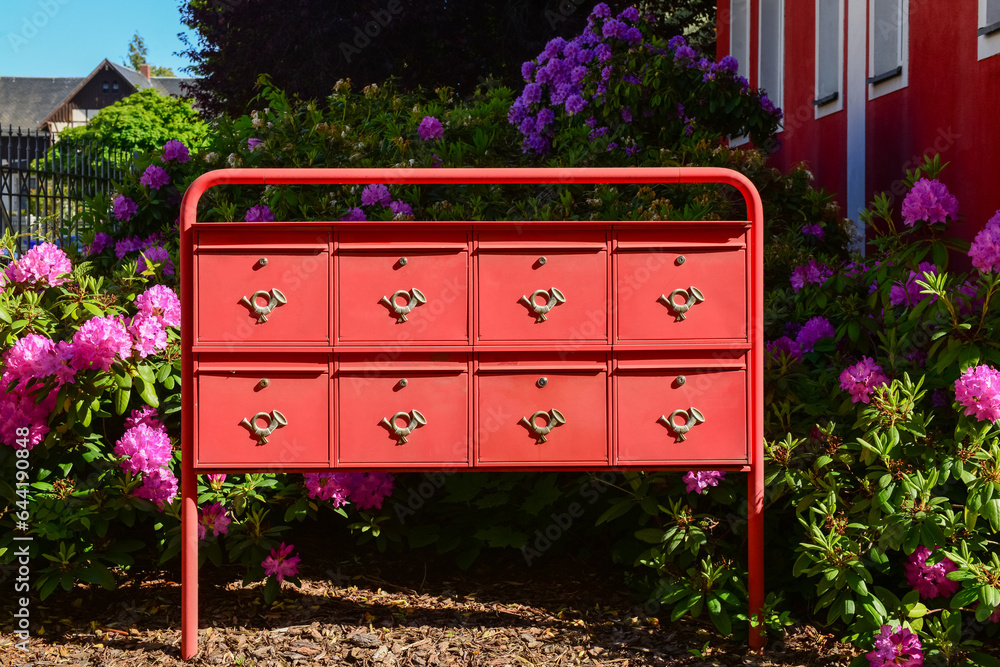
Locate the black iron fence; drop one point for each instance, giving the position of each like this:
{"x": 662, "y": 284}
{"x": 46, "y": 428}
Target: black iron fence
{"x": 43, "y": 183}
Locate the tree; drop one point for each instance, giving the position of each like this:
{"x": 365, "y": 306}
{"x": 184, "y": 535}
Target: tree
{"x": 137, "y": 53}
{"x": 310, "y": 44}
{"x": 143, "y": 121}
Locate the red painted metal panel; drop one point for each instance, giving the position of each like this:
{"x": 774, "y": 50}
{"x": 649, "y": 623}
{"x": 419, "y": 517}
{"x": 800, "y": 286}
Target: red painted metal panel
{"x": 403, "y": 296}
{"x": 263, "y": 420}
{"x": 546, "y": 416}
{"x": 264, "y": 296}
{"x": 401, "y": 417}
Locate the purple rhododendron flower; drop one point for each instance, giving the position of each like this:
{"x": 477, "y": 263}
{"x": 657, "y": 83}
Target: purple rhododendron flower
{"x": 162, "y": 302}
{"x": 911, "y": 293}
{"x": 527, "y": 70}
{"x": 930, "y": 581}
{"x": 213, "y": 517}
{"x": 175, "y": 150}
{"x": 155, "y": 177}
{"x": 43, "y": 266}
{"x": 125, "y": 246}
{"x": 101, "y": 241}
{"x": 985, "y": 248}
{"x": 900, "y": 648}
{"x": 355, "y": 215}
{"x": 400, "y": 207}
{"x": 145, "y": 449}
{"x": 259, "y": 213}
{"x": 98, "y": 342}
{"x": 369, "y": 489}
{"x": 629, "y": 14}
{"x": 160, "y": 486}
{"x": 861, "y": 379}
{"x": 812, "y": 331}
{"x": 785, "y": 345}
{"x": 280, "y": 564}
{"x": 676, "y": 42}
{"x": 155, "y": 255}
{"x": 124, "y": 208}
{"x": 978, "y": 390}
{"x": 332, "y": 486}
{"x": 929, "y": 200}
{"x": 809, "y": 273}
{"x": 375, "y": 193}
{"x": 430, "y": 128}
{"x": 698, "y": 481}
{"x": 253, "y": 143}
{"x": 813, "y": 230}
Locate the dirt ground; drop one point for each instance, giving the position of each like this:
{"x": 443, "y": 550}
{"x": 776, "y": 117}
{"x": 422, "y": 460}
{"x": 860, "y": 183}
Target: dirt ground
{"x": 389, "y": 611}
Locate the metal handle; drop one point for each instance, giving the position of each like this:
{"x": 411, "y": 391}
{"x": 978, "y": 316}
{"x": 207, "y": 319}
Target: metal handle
{"x": 691, "y": 296}
{"x": 414, "y": 298}
{"x": 553, "y": 419}
{"x": 274, "y": 299}
{"x": 416, "y": 420}
{"x": 552, "y": 298}
{"x": 692, "y": 417}
{"x": 277, "y": 420}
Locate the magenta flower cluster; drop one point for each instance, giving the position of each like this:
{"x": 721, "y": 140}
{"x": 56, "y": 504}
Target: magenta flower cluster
{"x": 929, "y": 200}
{"x": 281, "y": 563}
{"x": 430, "y": 129}
{"x": 42, "y": 266}
{"x": 213, "y": 517}
{"x": 145, "y": 445}
{"x": 861, "y": 379}
{"x": 155, "y": 177}
{"x": 910, "y": 293}
{"x": 930, "y": 581}
{"x": 978, "y": 390}
{"x": 377, "y": 194}
{"x": 898, "y": 647}
{"x": 696, "y": 481}
{"x": 102, "y": 241}
{"x": 98, "y": 342}
{"x": 985, "y": 248}
{"x": 366, "y": 490}
{"x": 812, "y": 331}
{"x": 29, "y": 362}
{"x": 259, "y": 213}
{"x": 811, "y": 273}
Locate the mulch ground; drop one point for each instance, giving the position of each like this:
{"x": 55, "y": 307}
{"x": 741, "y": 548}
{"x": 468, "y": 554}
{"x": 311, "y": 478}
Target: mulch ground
{"x": 390, "y": 612}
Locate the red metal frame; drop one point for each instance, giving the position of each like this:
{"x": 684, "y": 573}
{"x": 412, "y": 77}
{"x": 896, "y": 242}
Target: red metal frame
{"x": 755, "y": 282}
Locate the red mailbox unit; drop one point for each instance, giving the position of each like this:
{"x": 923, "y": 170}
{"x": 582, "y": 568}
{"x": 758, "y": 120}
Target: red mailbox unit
{"x": 405, "y": 346}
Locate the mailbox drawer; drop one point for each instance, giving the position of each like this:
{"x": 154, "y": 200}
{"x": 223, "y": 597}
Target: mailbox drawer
{"x": 542, "y": 416}
{"x": 403, "y": 294}
{"x": 414, "y": 414}
{"x": 543, "y": 295}
{"x": 679, "y": 415}
{"x": 263, "y": 296}
{"x": 681, "y": 294}
{"x": 263, "y": 419}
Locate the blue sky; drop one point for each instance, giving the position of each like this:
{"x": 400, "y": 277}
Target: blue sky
{"x": 71, "y": 37}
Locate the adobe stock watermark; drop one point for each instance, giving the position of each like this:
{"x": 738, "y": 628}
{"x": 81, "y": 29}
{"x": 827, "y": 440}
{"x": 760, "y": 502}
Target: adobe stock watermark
{"x": 30, "y": 25}
{"x": 22, "y": 516}
{"x": 363, "y": 36}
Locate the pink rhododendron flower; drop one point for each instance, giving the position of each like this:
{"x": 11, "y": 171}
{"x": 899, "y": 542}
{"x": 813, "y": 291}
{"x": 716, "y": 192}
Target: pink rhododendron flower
{"x": 148, "y": 335}
{"x": 215, "y": 481}
{"x": 978, "y": 389}
{"x": 809, "y": 273}
{"x": 259, "y": 213}
{"x": 861, "y": 379}
{"x": 900, "y": 648}
{"x": 698, "y": 480}
{"x": 213, "y": 517}
{"x": 162, "y": 302}
{"x": 144, "y": 448}
{"x": 333, "y": 486}
{"x": 430, "y": 128}
{"x": 98, "y": 342}
{"x": 812, "y": 331}
{"x": 175, "y": 150}
{"x": 911, "y": 293}
{"x": 375, "y": 193}
{"x": 985, "y": 248}
{"x": 930, "y": 581}
{"x": 145, "y": 415}
{"x": 30, "y": 357}
{"x": 124, "y": 208}
{"x": 160, "y": 486}
{"x": 19, "y": 410}
{"x": 43, "y": 266}
{"x": 929, "y": 200}
{"x": 280, "y": 564}
{"x": 155, "y": 177}
{"x": 369, "y": 489}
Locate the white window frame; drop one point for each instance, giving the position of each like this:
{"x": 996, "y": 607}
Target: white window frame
{"x": 987, "y": 43}
{"x": 777, "y": 97}
{"x": 837, "y": 104}
{"x": 744, "y": 59}
{"x": 901, "y": 80}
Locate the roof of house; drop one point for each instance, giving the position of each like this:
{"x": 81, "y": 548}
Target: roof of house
{"x": 25, "y": 101}
{"x": 28, "y": 102}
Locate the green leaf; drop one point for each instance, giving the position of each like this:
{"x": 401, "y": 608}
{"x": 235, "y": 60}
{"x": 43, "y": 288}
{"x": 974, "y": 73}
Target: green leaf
{"x": 148, "y": 394}
{"x": 145, "y": 371}
{"x": 122, "y": 397}
{"x": 650, "y": 535}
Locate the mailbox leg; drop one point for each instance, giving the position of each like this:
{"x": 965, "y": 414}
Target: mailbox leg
{"x": 755, "y": 541}
{"x": 189, "y": 560}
